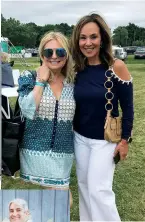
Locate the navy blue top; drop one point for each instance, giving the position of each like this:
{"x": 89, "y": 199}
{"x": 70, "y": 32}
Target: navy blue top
{"x": 89, "y": 93}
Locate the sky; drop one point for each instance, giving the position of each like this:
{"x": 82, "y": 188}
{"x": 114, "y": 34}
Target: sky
{"x": 116, "y": 13}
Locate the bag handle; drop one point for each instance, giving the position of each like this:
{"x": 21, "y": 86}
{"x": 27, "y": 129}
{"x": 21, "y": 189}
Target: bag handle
{"x": 109, "y": 75}
{"x": 109, "y": 95}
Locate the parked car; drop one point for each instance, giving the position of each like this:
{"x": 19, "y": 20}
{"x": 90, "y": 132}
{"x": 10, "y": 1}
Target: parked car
{"x": 139, "y": 53}
{"x": 119, "y": 52}
{"x": 130, "y": 49}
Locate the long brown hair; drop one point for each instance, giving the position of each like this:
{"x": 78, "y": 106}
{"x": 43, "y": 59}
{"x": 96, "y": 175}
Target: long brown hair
{"x": 105, "y": 55}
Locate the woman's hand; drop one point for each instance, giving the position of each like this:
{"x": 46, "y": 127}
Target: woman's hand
{"x": 122, "y": 148}
{"x": 43, "y": 72}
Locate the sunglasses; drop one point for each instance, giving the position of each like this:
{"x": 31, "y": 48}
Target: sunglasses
{"x": 60, "y": 52}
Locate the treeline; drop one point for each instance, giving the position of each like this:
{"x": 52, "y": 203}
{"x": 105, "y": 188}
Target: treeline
{"x": 130, "y": 35}
{"x": 29, "y": 34}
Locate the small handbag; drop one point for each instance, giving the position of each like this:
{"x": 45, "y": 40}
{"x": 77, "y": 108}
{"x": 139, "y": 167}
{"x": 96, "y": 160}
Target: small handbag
{"x": 12, "y": 133}
{"x": 113, "y": 125}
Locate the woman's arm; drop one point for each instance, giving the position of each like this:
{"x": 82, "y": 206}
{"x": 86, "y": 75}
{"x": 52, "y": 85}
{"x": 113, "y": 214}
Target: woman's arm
{"x": 31, "y": 90}
{"x": 43, "y": 74}
{"x": 125, "y": 95}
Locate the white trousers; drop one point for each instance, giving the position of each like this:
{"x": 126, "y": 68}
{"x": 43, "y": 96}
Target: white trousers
{"x": 95, "y": 170}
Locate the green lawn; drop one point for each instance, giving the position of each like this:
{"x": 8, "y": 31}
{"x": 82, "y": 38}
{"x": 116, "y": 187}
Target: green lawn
{"x": 129, "y": 180}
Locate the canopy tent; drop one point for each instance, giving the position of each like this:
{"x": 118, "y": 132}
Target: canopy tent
{"x": 14, "y": 51}
{"x": 4, "y": 44}
{"x": 7, "y": 46}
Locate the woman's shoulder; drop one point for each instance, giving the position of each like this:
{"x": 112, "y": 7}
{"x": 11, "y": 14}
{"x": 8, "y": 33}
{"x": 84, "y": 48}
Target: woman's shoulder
{"x": 26, "y": 82}
{"x": 28, "y": 74}
{"x": 121, "y": 71}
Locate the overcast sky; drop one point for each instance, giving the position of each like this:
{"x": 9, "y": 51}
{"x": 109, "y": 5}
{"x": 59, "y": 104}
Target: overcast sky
{"x": 55, "y": 12}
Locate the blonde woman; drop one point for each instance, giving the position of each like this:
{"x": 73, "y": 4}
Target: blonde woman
{"x": 46, "y": 100}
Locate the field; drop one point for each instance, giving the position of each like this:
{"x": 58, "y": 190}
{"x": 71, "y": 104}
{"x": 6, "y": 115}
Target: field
{"x": 129, "y": 180}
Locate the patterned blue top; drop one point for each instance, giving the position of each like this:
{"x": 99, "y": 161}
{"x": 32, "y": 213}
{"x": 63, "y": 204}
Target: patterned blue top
{"x": 47, "y": 147}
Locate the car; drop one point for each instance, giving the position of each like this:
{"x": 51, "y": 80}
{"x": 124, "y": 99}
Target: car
{"x": 119, "y": 52}
{"x": 139, "y": 53}
{"x": 130, "y": 49}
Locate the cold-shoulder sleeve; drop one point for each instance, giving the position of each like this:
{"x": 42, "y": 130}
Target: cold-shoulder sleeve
{"x": 124, "y": 91}
{"x": 27, "y": 103}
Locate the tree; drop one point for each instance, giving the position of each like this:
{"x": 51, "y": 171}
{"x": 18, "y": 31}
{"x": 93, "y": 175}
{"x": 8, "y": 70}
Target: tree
{"x": 3, "y": 26}
{"x": 30, "y": 34}
{"x": 19, "y": 34}
{"x": 120, "y": 36}
{"x": 64, "y": 28}
{"x": 135, "y": 33}
{"x": 10, "y": 29}
{"x": 138, "y": 43}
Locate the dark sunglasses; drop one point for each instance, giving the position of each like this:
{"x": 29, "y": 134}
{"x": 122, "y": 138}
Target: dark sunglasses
{"x": 60, "y": 52}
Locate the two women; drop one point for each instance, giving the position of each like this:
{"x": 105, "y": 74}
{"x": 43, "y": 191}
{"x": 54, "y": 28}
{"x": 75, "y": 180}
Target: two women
{"x": 48, "y": 103}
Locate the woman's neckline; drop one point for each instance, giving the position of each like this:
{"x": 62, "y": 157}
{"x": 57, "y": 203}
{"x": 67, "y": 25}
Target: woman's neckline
{"x": 95, "y": 65}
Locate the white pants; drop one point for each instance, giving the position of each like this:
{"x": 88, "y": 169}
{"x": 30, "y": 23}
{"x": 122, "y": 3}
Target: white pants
{"x": 95, "y": 170}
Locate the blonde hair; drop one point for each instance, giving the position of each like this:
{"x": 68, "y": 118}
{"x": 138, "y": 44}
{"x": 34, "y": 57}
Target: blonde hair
{"x": 106, "y": 55}
{"x": 5, "y": 57}
{"x": 67, "y": 70}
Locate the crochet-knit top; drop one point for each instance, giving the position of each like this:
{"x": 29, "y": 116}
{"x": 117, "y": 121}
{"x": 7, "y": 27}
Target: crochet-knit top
{"x": 89, "y": 93}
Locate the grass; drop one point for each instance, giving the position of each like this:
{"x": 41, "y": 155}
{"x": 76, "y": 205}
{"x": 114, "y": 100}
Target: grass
{"x": 129, "y": 180}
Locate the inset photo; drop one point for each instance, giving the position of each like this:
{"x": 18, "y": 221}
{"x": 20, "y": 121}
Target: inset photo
{"x": 34, "y": 206}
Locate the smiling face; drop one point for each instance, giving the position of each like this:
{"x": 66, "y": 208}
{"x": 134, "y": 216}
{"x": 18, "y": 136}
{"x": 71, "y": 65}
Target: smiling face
{"x": 54, "y": 62}
{"x": 90, "y": 41}
{"x": 17, "y": 213}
